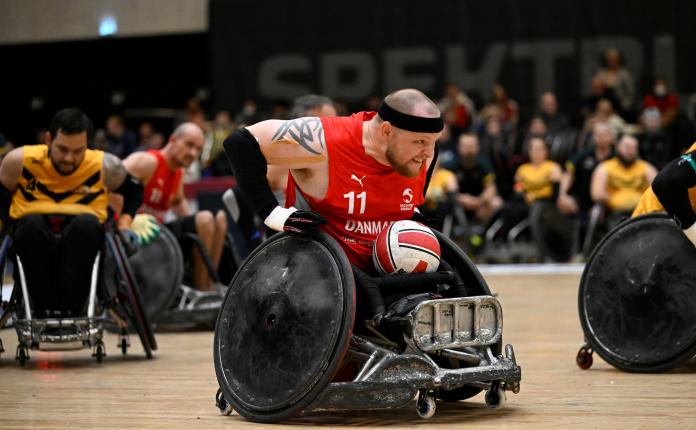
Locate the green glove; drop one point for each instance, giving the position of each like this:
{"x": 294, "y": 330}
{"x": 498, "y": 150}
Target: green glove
{"x": 145, "y": 226}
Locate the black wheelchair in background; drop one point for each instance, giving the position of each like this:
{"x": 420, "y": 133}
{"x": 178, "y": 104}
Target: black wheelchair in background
{"x": 637, "y": 297}
{"x": 287, "y": 340}
{"x": 114, "y": 300}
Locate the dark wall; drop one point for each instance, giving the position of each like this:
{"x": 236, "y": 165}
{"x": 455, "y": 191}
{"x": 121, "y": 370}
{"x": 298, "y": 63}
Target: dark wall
{"x": 270, "y": 50}
{"x": 157, "y": 72}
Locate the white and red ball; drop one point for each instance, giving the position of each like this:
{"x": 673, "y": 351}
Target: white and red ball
{"x": 406, "y": 247}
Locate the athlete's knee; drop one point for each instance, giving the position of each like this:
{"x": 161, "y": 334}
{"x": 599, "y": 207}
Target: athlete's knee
{"x": 221, "y": 221}
{"x": 205, "y": 223}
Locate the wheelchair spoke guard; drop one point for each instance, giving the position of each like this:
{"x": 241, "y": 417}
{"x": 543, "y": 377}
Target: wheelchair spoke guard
{"x": 284, "y": 326}
{"x": 638, "y": 294}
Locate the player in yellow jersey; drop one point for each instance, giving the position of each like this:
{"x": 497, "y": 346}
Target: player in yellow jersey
{"x": 54, "y": 200}
{"x": 619, "y": 182}
{"x": 674, "y": 191}
{"x": 538, "y": 179}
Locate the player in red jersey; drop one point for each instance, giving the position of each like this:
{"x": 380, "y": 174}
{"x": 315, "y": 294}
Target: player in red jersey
{"x": 352, "y": 175}
{"x": 161, "y": 171}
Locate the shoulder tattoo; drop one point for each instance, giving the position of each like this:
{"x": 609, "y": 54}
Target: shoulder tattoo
{"x": 114, "y": 171}
{"x": 304, "y": 131}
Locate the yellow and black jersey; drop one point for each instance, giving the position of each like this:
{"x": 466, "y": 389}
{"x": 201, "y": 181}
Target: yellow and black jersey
{"x": 42, "y": 190}
{"x": 625, "y": 184}
{"x": 649, "y": 202}
{"x": 535, "y": 181}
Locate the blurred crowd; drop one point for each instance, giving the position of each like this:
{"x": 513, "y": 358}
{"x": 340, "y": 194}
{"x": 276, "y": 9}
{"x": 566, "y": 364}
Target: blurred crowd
{"x": 492, "y": 167}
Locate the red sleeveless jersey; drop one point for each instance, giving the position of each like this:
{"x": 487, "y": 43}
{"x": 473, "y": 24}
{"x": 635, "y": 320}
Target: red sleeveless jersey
{"x": 161, "y": 188}
{"x": 364, "y": 196}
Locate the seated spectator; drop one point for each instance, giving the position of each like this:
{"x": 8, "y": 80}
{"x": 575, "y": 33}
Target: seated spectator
{"x": 574, "y": 195}
{"x": 213, "y": 160}
{"x": 538, "y": 179}
{"x": 447, "y": 148}
{"x": 534, "y": 181}
{"x": 120, "y": 140}
{"x": 617, "y": 81}
{"x": 439, "y": 198}
{"x": 457, "y": 109}
{"x": 619, "y": 182}
{"x": 665, "y": 101}
{"x": 655, "y": 145}
{"x": 501, "y": 106}
{"x": 537, "y": 128}
{"x": 555, "y": 121}
{"x": 605, "y": 113}
{"x": 477, "y": 194}
{"x": 497, "y": 146}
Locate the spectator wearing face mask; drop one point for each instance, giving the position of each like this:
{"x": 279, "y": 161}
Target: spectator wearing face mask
{"x": 665, "y": 101}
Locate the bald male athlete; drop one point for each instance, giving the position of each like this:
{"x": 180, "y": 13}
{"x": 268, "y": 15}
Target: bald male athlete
{"x": 349, "y": 176}
{"x": 161, "y": 171}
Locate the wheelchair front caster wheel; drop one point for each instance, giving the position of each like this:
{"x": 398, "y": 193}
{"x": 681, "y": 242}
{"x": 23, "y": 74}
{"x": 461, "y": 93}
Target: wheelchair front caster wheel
{"x": 22, "y": 355}
{"x": 425, "y": 405}
{"x": 584, "y": 358}
{"x": 123, "y": 344}
{"x": 495, "y": 397}
{"x": 223, "y": 406}
{"x": 99, "y": 352}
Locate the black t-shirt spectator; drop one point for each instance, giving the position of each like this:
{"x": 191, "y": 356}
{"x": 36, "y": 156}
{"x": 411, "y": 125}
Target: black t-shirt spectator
{"x": 581, "y": 167}
{"x": 473, "y": 179}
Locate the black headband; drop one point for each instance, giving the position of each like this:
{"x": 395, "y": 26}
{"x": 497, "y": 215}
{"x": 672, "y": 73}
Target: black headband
{"x": 409, "y": 122}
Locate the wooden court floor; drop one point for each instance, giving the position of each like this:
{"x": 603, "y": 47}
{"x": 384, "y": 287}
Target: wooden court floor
{"x": 176, "y": 389}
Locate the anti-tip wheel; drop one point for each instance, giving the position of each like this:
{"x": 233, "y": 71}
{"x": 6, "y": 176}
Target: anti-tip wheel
{"x": 495, "y": 397}
{"x": 224, "y": 407}
{"x": 584, "y": 358}
{"x": 425, "y": 405}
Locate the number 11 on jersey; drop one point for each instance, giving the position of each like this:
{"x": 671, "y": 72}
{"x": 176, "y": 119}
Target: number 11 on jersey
{"x": 351, "y": 201}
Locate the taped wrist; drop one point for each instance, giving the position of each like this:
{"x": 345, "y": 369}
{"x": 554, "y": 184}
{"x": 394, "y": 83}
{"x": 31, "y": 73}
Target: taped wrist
{"x": 250, "y": 167}
{"x": 276, "y": 219}
{"x": 132, "y": 191}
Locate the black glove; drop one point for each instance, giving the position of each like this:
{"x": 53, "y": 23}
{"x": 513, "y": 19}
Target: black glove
{"x": 419, "y": 217}
{"x": 294, "y": 220}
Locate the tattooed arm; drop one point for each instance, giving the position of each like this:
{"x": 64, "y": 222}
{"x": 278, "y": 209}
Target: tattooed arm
{"x": 296, "y": 144}
{"x": 117, "y": 180}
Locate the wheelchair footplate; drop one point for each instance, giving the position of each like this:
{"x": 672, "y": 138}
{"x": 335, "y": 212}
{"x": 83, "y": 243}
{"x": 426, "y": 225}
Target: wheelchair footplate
{"x": 194, "y": 307}
{"x": 63, "y": 334}
{"x": 451, "y": 354}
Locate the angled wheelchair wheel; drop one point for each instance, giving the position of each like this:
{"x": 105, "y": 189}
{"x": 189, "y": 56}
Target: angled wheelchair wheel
{"x": 158, "y": 270}
{"x": 128, "y": 302}
{"x": 284, "y": 326}
{"x": 638, "y": 294}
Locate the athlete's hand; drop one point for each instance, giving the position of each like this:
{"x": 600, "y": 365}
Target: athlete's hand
{"x": 294, "y": 220}
{"x": 131, "y": 242}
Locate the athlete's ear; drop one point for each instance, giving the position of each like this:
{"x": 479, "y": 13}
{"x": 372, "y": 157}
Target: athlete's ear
{"x": 385, "y": 129}
{"x": 47, "y": 138}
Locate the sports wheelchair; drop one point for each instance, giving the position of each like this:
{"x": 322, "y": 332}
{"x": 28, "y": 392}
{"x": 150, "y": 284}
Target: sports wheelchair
{"x": 114, "y": 300}
{"x": 637, "y": 297}
{"x": 164, "y": 277}
{"x": 287, "y": 338}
